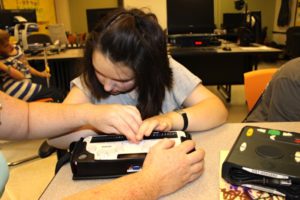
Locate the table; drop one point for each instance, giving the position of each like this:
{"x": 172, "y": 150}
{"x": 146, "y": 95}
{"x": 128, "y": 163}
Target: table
{"x": 64, "y": 67}
{"x": 206, "y": 187}
{"x": 66, "y": 54}
{"x": 216, "y": 66}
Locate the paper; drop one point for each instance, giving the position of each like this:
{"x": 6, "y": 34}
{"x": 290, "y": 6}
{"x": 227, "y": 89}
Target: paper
{"x": 255, "y": 48}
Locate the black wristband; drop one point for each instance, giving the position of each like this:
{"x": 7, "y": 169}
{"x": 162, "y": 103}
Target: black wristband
{"x": 185, "y": 119}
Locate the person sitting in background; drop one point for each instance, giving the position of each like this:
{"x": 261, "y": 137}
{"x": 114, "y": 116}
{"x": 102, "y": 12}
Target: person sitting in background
{"x": 23, "y": 120}
{"x": 18, "y": 78}
{"x": 280, "y": 100}
{"x": 127, "y": 63}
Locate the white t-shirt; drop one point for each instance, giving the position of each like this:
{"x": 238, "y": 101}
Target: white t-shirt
{"x": 184, "y": 82}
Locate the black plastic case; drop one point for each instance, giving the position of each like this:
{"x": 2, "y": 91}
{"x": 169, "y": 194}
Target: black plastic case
{"x": 265, "y": 159}
{"x": 87, "y": 165}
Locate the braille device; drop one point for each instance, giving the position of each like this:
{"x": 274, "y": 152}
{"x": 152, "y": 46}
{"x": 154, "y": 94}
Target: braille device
{"x": 265, "y": 159}
{"x": 108, "y": 156}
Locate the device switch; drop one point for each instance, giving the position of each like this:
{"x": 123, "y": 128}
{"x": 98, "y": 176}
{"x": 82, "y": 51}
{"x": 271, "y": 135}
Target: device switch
{"x": 249, "y": 132}
{"x": 243, "y": 146}
{"x": 297, "y": 156}
{"x": 262, "y": 130}
{"x": 274, "y": 132}
{"x": 286, "y": 134}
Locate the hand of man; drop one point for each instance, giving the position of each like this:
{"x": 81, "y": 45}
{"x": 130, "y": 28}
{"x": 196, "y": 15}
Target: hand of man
{"x": 170, "y": 168}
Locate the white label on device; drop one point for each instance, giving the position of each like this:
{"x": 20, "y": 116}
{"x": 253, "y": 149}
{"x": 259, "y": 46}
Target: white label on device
{"x": 264, "y": 173}
{"x": 110, "y": 150}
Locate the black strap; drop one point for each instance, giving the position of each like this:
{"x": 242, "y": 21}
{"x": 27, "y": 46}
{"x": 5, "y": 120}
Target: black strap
{"x": 185, "y": 119}
{"x": 64, "y": 156}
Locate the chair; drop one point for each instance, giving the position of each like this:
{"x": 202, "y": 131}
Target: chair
{"x": 44, "y": 151}
{"x": 36, "y": 43}
{"x": 293, "y": 41}
{"x": 255, "y": 83}
{"x": 40, "y": 38}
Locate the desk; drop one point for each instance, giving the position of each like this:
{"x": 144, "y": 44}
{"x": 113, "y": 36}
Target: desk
{"x": 64, "y": 67}
{"x": 66, "y": 54}
{"x": 220, "y": 67}
{"x": 206, "y": 187}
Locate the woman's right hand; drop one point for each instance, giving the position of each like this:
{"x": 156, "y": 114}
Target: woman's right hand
{"x": 105, "y": 118}
{"x": 115, "y": 118}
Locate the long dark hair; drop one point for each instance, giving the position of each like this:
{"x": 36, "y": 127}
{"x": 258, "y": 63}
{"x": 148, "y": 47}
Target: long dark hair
{"x": 135, "y": 39}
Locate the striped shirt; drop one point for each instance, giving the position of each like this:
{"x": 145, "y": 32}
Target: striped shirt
{"x": 21, "y": 89}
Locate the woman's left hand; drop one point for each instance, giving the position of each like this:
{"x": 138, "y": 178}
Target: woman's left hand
{"x": 158, "y": 123}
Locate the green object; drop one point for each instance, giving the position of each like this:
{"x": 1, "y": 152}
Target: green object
{"x": 274, "y": 132}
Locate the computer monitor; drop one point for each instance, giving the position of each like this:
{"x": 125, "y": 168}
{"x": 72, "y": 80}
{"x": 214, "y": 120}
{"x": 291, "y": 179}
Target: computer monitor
{"x": 190, "y": 16}
{"x": 94, "y": 16}
{"x": 251, "y": 24}
{"x": 233, "y": 21}
{"x": 5, "y": 19}
{"x": 7, "y": 16}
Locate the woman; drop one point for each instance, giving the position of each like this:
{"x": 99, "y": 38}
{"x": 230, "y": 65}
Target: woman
{"x": 127, "y": 63}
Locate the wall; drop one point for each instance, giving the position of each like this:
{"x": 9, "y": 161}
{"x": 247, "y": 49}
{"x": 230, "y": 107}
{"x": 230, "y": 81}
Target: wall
{"x": 78, "y": 12}
{"x": 156, "y": 6}
{"x": 279, "y": 35}
{"x": 297, "y": 23}
{"x": 267, "y": 8}
{"x": 63, "y": 13}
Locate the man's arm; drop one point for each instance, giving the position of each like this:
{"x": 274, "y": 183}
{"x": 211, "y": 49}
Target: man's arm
{"x": 152, "y": 182}
{"x": 23, "y": 120}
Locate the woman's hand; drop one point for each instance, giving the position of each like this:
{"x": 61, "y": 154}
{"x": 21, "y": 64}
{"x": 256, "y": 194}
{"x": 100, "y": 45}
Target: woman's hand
{"x": 115, "y": 118}
{"x": 162, "y": 122}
